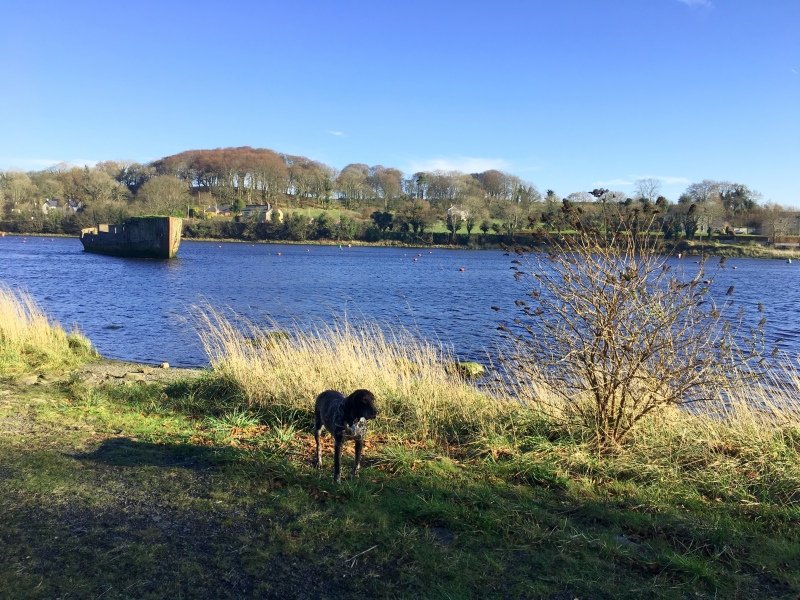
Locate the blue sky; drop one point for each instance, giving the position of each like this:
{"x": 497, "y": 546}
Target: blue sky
{"x": 567, "y": 94}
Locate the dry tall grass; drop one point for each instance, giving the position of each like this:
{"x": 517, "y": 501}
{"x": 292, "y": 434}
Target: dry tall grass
{"x": 30, "y": 341}
{"x": 416, "y": 395}
{"x": 745, "y": 448}
{"x": 750, "y": 407}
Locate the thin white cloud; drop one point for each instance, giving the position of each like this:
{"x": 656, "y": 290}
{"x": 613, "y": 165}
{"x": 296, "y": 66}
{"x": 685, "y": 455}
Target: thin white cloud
{"x": 465, "y": 164}
{"x": 703, "y": 3}
{"x": 666, "y": 180}
{"x": 35, "y": 164}
{"x": 793, "y": 71}
{"x": 618, "y": 181}
{"x": 336, "y": 133}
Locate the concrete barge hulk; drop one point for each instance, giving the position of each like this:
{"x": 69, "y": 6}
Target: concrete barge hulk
{"x": 136, "y": 237}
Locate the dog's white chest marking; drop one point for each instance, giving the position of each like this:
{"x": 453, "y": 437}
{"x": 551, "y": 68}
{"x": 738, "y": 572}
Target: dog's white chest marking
{"x": 358, "y": 430}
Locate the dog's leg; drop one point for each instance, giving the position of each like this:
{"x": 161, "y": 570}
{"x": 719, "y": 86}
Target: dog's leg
{"x": 337, "y": 456}
{"x": 317, "y": 432}
{"x": 357, "y": 461}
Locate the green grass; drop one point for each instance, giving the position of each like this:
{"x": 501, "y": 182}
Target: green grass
{"x": 132, "y": 492}
{"x": 205, "y": 488}
{"x": 314, "y": 213}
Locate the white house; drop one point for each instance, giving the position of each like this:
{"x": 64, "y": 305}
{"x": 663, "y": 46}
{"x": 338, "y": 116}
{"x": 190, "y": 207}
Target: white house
{"x": 457, "y": 212}
{"x": 55, "y": 204}
{"x": 50, "y": 205}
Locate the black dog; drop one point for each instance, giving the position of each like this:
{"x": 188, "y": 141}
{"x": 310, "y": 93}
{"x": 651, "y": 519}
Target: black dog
{"x": 345, "y": 419}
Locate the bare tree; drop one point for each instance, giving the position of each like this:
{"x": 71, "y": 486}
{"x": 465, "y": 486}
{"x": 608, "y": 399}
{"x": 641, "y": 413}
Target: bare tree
{"x": 777, "y": 220}
{"x": 352, "y": 183}
{"x": 705, "y": 191}
{"x": 614, "y": 334}
{"x": 496, "y": 183}
{"x": 647, "y": 190}
{"x": 388, "y": 184}
{"x": 441, "y": 188}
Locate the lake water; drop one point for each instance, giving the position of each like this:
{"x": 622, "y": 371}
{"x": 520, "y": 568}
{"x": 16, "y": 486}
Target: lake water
{"x": 135, "y": 309}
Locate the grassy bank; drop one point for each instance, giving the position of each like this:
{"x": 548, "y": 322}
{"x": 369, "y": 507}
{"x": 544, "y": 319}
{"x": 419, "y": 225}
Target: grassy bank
{"x": 497, "y": 241}
{"x": 744, "y": 250}
{"x": 204, "y": 488}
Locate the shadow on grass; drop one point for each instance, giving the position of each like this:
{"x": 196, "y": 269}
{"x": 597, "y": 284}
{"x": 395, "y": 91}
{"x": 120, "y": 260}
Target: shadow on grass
{"x": 425, "y": 528}
{"x": 142, "y": 550}
{"x": 128, "y": 452}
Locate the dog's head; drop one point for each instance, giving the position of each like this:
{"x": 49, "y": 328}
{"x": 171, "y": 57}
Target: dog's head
{"x": 360, "y": 404}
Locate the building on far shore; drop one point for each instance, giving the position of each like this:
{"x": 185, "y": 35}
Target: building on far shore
{"x": 62, "y": 206}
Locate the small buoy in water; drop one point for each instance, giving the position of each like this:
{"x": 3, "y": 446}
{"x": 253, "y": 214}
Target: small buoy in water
{"x": 430, "y": 252}
{"x": 279, "y": 253}
{"x": 349, "y": 245}
{"x": 308, "y": 250}
{"x": 789, "y": 260}
{"x": 707, "y": 281}
{"x": 735, "y": 267}
{"x": 419, "y": 254}
{"x": 680, "y": 255}
{"x": 461, "y": 269}
{"x": 219, "y": 246}
{"x": 415, "y": 260}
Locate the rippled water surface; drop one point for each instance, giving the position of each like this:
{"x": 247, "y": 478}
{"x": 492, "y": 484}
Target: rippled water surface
{"x": 135, "y": 309}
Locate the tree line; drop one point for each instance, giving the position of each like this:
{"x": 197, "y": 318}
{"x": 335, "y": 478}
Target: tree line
{"x": 380, "y": 201}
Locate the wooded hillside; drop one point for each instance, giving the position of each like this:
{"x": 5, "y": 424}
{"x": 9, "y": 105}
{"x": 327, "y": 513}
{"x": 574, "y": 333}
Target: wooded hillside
{"x": 226, "y": 181}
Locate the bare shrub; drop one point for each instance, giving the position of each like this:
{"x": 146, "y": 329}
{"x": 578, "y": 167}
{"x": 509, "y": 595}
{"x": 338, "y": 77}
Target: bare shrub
{"x": 611, "y": 332}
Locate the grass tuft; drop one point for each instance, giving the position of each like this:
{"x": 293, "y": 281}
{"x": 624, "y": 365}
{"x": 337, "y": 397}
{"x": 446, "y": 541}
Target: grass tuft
{"x": 30, "y": 342}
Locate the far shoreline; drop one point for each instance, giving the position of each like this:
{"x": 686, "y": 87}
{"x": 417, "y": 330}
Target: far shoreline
{"x": 684, "y": 247}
